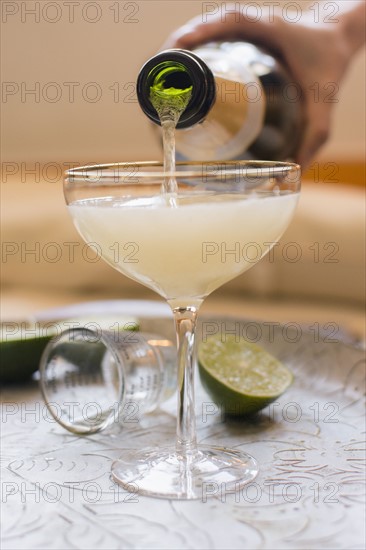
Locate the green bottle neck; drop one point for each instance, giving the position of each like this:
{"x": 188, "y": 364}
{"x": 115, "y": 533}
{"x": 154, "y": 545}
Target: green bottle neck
{"x": 179, "y": 79}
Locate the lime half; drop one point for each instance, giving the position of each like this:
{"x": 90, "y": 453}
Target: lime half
{"x": 240, "y": 376}
{"x": 22, "y": 344}
{"x": 21, "y": 348}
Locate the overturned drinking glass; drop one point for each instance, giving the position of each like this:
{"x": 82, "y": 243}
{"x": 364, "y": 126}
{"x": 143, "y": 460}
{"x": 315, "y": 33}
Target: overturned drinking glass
{"x": 91, "y": 379}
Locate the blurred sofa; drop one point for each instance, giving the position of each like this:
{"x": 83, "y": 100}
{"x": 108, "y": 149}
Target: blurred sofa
{"x": 320, "y": 259}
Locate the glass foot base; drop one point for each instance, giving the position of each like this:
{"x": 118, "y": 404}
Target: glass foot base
{"x": 208, "y": 472}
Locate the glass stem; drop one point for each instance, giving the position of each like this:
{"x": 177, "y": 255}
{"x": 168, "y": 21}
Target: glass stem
{"x": 185, "y": 323}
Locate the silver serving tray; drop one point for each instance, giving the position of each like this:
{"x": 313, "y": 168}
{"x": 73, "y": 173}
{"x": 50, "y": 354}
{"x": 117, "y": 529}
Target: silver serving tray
{"x": 310, "y": 494}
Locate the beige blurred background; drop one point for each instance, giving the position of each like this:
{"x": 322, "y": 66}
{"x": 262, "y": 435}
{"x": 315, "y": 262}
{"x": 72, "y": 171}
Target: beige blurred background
{"x": 97, "y": 63}
{"x": 68, "y": 77}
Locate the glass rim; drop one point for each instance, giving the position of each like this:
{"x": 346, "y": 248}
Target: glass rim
{"x": 44, "y": 365}
{"x": 228, "y": 167}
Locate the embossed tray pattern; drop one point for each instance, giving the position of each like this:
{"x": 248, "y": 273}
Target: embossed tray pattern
{"x": 57, "y": 492}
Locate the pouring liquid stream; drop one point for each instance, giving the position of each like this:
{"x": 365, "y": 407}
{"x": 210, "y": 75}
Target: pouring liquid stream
{"x": 169, "y": 102}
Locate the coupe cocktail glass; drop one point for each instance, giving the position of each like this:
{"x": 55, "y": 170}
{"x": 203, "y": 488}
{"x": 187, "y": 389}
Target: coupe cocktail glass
{"x": 183, "y": 246}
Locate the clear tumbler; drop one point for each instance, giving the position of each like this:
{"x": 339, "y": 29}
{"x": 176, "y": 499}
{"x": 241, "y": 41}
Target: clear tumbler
{"x": 91, "y": 379}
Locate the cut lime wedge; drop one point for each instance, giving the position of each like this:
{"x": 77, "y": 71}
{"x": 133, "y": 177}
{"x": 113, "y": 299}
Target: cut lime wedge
{"x": 21, "y": 348}
{"x": 240, "y": 376}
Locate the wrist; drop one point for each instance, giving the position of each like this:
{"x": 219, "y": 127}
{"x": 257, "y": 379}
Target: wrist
{"x": 352, "y": 25}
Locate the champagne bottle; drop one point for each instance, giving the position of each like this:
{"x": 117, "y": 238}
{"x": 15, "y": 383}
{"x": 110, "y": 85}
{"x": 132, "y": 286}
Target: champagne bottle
{"x": 242, "y": 103}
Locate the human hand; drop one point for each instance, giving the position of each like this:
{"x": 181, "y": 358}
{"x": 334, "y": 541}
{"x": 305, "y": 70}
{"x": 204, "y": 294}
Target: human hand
{"x": 315, "y": 54}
